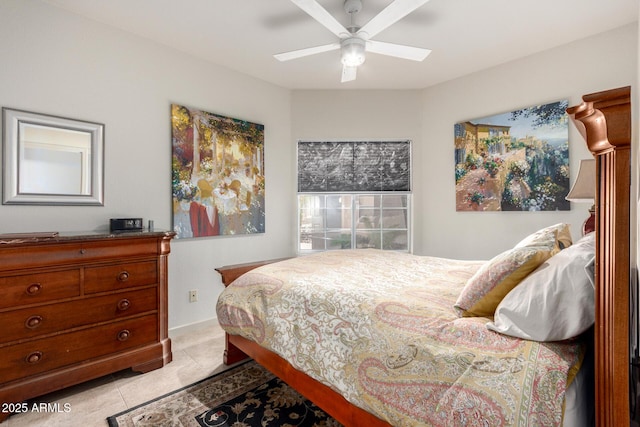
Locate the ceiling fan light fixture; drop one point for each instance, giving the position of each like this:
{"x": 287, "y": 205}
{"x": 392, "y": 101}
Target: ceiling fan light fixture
{"x": 352, "y": 51}
{"x": 353, "y": 40}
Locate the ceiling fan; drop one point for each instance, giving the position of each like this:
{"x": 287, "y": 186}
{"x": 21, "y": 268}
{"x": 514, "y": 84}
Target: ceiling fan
{"x": 354, "y": 40}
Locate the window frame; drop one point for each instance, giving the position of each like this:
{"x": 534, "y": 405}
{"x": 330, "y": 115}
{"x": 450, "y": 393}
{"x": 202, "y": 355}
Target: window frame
{"x": 354, "y": 228}
{"x": 354, "y": 194}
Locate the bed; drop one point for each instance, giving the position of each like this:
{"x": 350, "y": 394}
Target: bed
{"x": 421, "y": 346}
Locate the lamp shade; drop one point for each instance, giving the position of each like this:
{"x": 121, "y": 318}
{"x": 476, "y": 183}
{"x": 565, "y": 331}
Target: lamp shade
{"x": 584, "y": 189}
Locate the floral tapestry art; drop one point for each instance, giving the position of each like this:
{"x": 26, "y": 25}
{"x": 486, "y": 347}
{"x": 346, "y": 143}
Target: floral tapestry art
{"x": 516, "y": 161}
{"x": 217, "y": 174}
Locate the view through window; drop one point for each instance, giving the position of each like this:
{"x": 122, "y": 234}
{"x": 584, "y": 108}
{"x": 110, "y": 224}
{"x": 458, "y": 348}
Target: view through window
{"x": 354, "y": 195}
{"x": 353, "y": 221}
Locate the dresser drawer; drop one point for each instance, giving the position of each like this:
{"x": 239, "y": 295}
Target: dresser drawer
{"x": 53, "y": 253}
{"x": 32, "y": 322}
{"x": 23, "y": 360}
{"x": 118, "y": 247}
{"x": 125, "y": 275}
{"x": 39, "y": 287}
{"x": 47, "y": 254}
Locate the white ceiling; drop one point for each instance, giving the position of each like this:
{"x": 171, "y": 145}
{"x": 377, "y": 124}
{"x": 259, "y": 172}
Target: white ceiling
{"x": 465, "y": 35}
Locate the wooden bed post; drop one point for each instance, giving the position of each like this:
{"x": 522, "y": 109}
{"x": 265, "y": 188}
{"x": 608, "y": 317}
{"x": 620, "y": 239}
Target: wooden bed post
{"x": 604, "y": 120}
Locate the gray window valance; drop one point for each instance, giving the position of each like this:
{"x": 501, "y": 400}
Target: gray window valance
{"x": 361, "y": 166}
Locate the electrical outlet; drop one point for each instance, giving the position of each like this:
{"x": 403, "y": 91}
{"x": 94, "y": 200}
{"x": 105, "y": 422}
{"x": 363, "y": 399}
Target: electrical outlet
{"x": 193, "y": 295}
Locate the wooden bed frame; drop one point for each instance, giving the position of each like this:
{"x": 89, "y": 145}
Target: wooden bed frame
{"x": 604, "y": 120}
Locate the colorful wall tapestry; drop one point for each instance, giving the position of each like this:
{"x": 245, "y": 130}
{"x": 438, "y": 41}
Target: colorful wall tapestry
{"x": 516, "y": 161}
{"x": 217, "y": 174}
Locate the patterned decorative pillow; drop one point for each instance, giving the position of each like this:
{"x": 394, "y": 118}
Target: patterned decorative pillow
{"x": 495, "y": 279}
{"x": 560, "y": 232}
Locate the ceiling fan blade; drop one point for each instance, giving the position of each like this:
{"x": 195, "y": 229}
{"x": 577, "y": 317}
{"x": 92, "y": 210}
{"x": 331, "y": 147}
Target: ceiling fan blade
{"x": 389, "y": 15}
{"x": 397, "y": 50}
{"x": 320, "y": 14}
{"x": 294, "y": 54}
{"x": 348, "y": 73}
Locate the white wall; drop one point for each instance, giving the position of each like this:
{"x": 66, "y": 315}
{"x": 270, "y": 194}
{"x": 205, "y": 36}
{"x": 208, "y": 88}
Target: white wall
{"x": 57, "y": 63}
{"x": 567, "y": 72}
{"x": 356, "y": 115}
{"x": 427, "y": 117}
{"x": 590, "y": 65}
{"x": 635, "y": 208}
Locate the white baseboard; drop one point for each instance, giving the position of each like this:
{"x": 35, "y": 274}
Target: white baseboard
{"x": 191, "y": 327}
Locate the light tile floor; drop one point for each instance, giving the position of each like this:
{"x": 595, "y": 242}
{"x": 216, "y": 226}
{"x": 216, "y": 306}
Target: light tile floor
{"x": 197, "y": 354}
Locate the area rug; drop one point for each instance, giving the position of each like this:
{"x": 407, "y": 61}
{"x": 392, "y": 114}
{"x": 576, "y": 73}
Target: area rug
{"x": 246, "y": 395}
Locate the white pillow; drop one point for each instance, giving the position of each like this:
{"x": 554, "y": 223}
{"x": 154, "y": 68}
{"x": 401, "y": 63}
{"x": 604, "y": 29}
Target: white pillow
{"x": 556, "y": 301}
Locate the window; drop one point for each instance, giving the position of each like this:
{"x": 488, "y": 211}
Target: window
{"x": 354, "y": 195}
{"x": 345, "y": 221}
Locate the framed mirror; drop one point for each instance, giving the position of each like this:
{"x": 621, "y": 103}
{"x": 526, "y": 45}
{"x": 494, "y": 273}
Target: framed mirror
{"x": 49, "y": 160}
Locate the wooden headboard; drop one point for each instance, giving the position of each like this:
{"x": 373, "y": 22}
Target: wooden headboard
{"x": 604, "y": 120}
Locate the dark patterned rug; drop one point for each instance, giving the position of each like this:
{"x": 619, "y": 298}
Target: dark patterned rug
{"x": 246, "y": 395}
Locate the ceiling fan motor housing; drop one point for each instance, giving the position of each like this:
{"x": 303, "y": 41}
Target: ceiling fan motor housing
{"x": 352, "y": 51}
{"x": 352, "y": 6}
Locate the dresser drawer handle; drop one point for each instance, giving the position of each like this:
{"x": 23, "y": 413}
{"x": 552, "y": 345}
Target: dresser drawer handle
{"x": 123, "y": 276}
{"x": 34, "y": 357}
{"x": 33, "y": 322}
{"x": 124, "y": 335}
{"x": 124, "y": 304}
{"x": 34, "y": 289}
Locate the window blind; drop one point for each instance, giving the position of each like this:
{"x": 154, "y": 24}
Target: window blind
{"x": 347, "y": 166}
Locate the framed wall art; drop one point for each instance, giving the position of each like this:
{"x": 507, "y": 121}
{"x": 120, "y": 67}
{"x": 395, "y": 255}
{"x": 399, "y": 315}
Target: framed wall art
{"x": 217, "y": 174}
{"x": 515, "y": 161}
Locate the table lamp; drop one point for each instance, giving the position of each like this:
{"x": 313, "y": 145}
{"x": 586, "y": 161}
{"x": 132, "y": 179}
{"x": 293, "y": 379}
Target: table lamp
{"x": 584, "y": 191}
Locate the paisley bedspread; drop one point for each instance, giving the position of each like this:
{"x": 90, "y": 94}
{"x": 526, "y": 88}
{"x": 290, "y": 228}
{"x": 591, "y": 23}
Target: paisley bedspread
{"x": 380, "y": 329}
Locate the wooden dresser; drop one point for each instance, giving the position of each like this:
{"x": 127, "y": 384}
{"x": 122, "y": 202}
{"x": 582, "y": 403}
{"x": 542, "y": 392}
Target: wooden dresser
{"x": 77, "y": 307}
